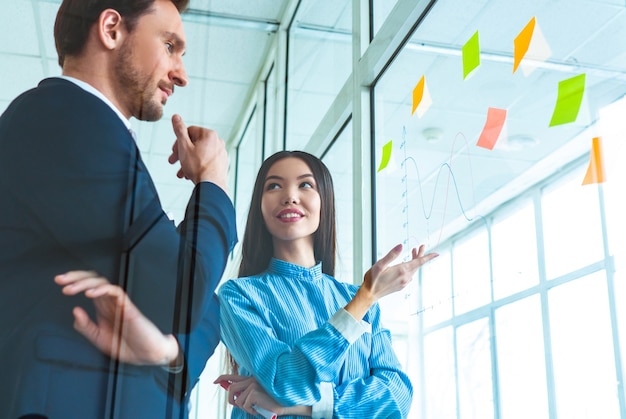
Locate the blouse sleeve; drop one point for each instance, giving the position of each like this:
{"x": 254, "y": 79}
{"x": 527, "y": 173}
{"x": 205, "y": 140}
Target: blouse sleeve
{"x": 386, "y": 393}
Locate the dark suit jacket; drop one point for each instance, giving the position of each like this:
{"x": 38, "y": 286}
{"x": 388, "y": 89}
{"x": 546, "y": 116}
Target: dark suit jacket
{"x": 75, "y": 195}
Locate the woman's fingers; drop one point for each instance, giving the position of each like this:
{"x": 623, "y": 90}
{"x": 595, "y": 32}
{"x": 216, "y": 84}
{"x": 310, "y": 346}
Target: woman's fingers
{"x": 383, "y": 279}
{"x": 389, "y": 257}
{"x": 419, "y": 258}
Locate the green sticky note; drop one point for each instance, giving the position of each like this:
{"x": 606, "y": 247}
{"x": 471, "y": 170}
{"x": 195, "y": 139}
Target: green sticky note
{"x": 471, "y": 55}
{"x": 568, "y": 100}
{"x": 386, "y": 155}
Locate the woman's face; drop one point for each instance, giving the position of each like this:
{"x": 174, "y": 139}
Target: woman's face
{"x": 291, "y": 203}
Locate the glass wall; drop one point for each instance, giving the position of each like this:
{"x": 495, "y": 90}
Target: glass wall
{"x": 270, "y": 119}
{"x": 482, "y": 162}
{"x": 338, "y": 159}
{"x": 555, "y": 340}
{"x": 249, "y": 159}
{"x": 380, "y": 12}
{"x": 474, "y": 124}
{"x": 481, "y": 153}
{"x": 319, "y": 63}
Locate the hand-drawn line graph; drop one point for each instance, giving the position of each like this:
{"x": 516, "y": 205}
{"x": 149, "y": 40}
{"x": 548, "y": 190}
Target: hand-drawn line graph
{"x": 411, "y": 171}
{"x": 427, "y": 205}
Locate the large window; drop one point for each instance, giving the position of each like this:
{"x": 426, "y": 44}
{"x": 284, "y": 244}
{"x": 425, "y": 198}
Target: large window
{"x": 563, "y": 208}
{"x": 320, "y": 57}
{"x": 338, "y": 159}
{"x": 473, "y": 121}
{"x": 249, "y": 159}
{"x": 271, "y": 118}
{"x": 556, "y": 341}
{"x": 523, "y": 302}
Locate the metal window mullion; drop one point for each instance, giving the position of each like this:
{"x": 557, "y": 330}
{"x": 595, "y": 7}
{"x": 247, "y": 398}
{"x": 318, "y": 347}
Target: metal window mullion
{"x": 610, "y": 282}
{"x": 545, "y": 310}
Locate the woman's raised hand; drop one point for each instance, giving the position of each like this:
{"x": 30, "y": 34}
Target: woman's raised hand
{"x": 382, "y": 279}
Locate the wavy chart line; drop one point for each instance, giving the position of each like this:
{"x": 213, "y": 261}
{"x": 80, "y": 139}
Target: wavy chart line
{"x": 451, "y": 176}
{"x": 427, "y": 213}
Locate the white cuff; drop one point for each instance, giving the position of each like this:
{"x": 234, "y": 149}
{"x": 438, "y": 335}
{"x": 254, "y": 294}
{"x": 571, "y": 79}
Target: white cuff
{"x": 324, "y": 408}
{"x": 348, "y": 326}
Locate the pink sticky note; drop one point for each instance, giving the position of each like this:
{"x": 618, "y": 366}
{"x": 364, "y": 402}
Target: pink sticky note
{"x": 492, "y": 129}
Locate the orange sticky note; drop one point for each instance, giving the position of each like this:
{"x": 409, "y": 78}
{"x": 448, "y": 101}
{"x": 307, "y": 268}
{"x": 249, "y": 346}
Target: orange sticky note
{"x": 595, "y": 170}
{"x": 492, "y": 129}
{"x": 522, "y": 42}
{"x": 530, "y": 48}
{"x": 421, "y": 98}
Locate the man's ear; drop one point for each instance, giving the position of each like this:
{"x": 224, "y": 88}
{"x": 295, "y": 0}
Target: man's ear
{"x": 111, "y": 30}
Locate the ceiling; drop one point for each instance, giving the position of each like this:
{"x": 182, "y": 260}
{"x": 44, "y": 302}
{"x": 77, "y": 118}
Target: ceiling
{"x": 228, "y": 41}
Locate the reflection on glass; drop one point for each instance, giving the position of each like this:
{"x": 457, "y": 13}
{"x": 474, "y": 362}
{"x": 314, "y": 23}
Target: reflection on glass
{"x": 614, "y": 150}
{"x": 440, "y": 389}
{"x": 320, "y": 61}
{"x": 381, "y": 9}
{"x": 582, "y": 349}
{"x": 436, "y": 289}
{"x": 471, "y": 276}
{"x": 248, "y": 163}
{"x": 447, "y": 175}
{"x": 521, "y": 362}
{"x": 620, "y": 304}
{"x": 270, "y": 113}
{"x": 435, "y": 182}
{"x": 514, "y": 252}
{"x": 571, "y": 226}
{"x": 474, "y": 370}
{"x": 338, "y": 159}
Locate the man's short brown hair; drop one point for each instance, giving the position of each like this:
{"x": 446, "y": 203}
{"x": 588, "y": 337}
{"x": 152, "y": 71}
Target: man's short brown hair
{"x": 76, "y": 17}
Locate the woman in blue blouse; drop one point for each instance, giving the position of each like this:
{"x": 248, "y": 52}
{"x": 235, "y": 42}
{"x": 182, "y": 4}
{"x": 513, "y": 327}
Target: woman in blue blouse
{"x": 299, "y": 337}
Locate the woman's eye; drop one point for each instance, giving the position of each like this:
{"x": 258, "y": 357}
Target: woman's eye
{"x": 272, "y": 186}
{"x": 306, "y": 185}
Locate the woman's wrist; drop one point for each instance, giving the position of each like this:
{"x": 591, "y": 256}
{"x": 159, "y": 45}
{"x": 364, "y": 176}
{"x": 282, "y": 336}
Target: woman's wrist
{"x": 360, "y": 303}
{"x": 295, "y": 411}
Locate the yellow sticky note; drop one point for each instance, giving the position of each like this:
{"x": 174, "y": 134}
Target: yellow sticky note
{"x": 386, "y": 155}
{"x": 471, "y": 55}
{"x": 492, "y": 129}
{"x": 421, "y": 98}
{"x": 595, "y": 170}
{"x": 530, "y": 48}
{"x": 569, "y": 98}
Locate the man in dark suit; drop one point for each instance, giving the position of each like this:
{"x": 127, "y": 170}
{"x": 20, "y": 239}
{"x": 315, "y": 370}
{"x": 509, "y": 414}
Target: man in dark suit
{"x": 77, "y": 196}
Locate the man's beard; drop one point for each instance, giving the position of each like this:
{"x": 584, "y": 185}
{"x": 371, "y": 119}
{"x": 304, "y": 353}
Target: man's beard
{"x": 135, "y": 89}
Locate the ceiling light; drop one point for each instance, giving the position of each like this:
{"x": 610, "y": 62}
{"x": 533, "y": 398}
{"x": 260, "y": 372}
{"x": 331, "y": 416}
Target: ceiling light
{"x": 517, "y": 142}
{"x": 432, "y": 134}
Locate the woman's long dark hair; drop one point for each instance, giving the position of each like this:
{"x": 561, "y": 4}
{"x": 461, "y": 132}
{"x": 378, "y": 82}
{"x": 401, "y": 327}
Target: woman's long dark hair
{"x": 257, "y": 248}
